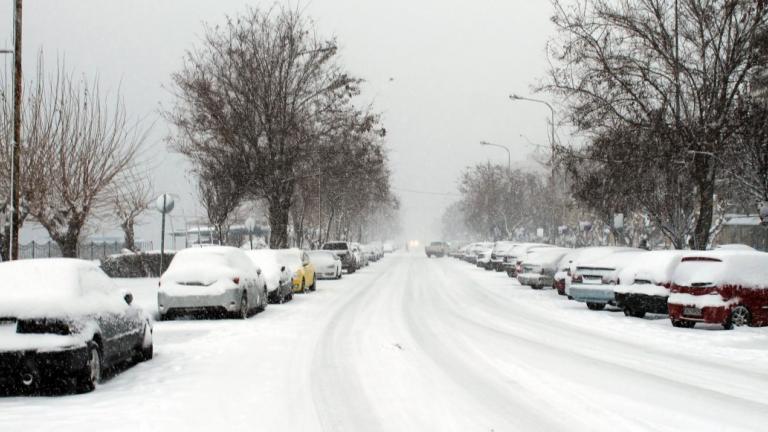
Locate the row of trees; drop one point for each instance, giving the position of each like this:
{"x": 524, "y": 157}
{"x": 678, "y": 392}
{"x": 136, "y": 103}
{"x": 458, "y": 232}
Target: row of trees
{"x": 78, "y": 159}
{"x": 265, "y": 113}
{"x": 663, "y": 93}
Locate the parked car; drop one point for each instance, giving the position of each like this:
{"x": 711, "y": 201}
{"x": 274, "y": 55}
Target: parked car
{"x": 483, "y": 256}
{"x": 437, "y": 249}
{"x": 720, "y": 287}
{"x": 569, "y": 262}
{"x": 276, "y": 276}
{"x": 593, "y": 280}
{"x": 388, "y": 247}
{"x": 218, "y": 279}
{"x": 298, "y": 263}
{"x": 498, "y": 253}
{"x": 539, "y": 267}
{"x": 327, "y": 264}
{"x": 65, "y": 318}
{"x": 643, "y": 286}
{"x": 471, "y": 254}
{"x": 514, "y": 256}
{"x": 360, "y": 255}
{"x": 344, "y": 251}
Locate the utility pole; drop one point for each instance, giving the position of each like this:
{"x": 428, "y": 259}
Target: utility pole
{"x": 13, "y": 252}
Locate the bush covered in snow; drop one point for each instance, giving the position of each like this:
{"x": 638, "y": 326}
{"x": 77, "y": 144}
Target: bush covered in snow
{"x": 136, "y": 265}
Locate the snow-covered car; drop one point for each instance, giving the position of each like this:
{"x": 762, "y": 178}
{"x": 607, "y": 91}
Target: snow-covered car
{"x": 297, "y": 262}
{"x": 539, "y": 267}
{"x": 483, "y": 257}
{"x": 327, "y": 264}
{"x": 498, "y": 253}
{"x": 720, "y": 287}
{"x": 593, "y": 281}
{"x": 360, "y": 255}
{"x": 514, "y": 256}
{"x": 64, "y": 319}
{"x": 472, "y": 251}
{"x": 643, "y": 286}
{"x": 276, "y": 276}
{"x": 344, "y": 251}
{"x": 437, "y": 249}
{"x": 569, "y": 262}
{"x": 218, "y": 279}
{"x": 388, "y": 247}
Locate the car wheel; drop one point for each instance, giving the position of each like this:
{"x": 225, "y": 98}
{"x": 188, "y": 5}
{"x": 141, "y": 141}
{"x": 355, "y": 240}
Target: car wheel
{"x": 90, "y": 376}
{"x": 145, "y": 350}
{"x": 314, "y": 284}
{"x": 739, "y": 317}
{"x": 303, "y": 286}
{"x": 683, "y": 323}
{"x": 634, "y": 313}
{"x": 595, "y": 306}
{"x": 242, "y": 312}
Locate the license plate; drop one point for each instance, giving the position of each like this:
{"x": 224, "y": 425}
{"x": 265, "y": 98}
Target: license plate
{"x": 692, "y": 311}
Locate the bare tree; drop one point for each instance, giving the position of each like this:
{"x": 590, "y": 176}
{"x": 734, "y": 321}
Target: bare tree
{"x": 622, "y": 64}
{"x": 220, "y": 199}
{"x": 86, "y": 144}
{"x": 131, "y": 194}
{"x": 259, "y": 94}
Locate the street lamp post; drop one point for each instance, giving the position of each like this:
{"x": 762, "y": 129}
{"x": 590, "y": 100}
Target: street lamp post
{"x": 509, "y": 154}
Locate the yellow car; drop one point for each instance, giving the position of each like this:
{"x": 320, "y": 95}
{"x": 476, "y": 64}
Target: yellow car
{"x": 298, "y": 264}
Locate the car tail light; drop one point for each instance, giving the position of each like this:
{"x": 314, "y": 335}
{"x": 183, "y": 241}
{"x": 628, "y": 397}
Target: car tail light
{"x": 236, "y": 280}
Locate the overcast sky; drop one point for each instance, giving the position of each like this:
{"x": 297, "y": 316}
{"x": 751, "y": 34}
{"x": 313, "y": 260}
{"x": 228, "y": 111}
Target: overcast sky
{"x": 439, "y": 70}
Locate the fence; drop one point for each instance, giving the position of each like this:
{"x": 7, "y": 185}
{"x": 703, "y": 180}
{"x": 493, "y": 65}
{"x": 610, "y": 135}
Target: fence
{"x": 89, "y": 250}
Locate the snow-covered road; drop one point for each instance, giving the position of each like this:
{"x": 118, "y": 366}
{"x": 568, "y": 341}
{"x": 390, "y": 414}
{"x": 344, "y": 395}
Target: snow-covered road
{"x": 413, "y": 344}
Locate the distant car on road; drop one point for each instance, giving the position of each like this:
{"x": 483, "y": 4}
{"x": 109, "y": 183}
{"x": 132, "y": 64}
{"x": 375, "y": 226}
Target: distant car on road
{"x": 65, "y": 320}
{"x": 437, "y": 249}
{"x": 277, "y": 277}
{"x": 344, "y": 251}
{"x": 218, "y": 279}
{"x": 327, "y": 264}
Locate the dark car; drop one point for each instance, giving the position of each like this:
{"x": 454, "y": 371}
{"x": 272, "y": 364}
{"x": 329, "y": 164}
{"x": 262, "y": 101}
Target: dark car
{"x": 343, "y": 250}
{"x": 63, "y": 321}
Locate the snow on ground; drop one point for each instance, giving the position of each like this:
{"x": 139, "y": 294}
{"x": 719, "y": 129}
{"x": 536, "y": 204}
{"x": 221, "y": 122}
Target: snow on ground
{"x": 417, "y": 344}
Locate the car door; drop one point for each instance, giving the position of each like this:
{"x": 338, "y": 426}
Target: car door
{"x": 121, "y": 327}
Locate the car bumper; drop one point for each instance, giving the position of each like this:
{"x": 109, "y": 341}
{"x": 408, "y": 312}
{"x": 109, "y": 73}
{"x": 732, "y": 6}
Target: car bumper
{"x": 709, "y": 314}
{"x": 532, "y": 279}
{"x": 592, "y": 294}
{"x": 327, "y": 274}
{"x": 228, "y": 301}
{"x": 644, "y": 302}
{"x": 48, "y": 366}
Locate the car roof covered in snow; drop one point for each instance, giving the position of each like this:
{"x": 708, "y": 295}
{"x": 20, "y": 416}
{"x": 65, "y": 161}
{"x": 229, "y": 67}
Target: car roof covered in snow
{"x": 546, "y": 256}
{"x": 588, "y": 254}
{"x": 748, "y": 269}
{"x": 56, "y": 287}
{"x": 521, "y": 249}
{"x": 656, "y": 266}
{"x": 614, "y": 259}
{"x": 209, "y": 264}
{"x": 268, "y": 261}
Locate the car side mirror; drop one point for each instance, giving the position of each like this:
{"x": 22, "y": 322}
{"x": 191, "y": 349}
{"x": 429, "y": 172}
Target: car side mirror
{"x": 128, "y": 297}
{"x": 282, "y": 269}
{"x": 258, "y": 271}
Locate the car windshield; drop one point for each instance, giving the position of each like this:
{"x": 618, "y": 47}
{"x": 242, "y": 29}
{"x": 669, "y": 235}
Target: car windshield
{"x": 335, "y": 246}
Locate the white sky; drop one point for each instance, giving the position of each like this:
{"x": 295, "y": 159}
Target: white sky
{"x": 453, "y": 64}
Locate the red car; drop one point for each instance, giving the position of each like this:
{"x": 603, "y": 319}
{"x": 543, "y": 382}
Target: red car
{"x": 724, "y": 287}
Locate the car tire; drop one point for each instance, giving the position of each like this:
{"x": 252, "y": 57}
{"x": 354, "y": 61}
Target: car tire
{"x": 313, "y": 287}
{"x": 739, "y": 316}
{"x": 145, "y": 350}
{"x": 634, "y": 313}
{"x": 537, "y": 287}
{"x": 595, "y": 306}
{"x": 304, "y": 287}
{"x": 683, "y": 323}
{"x": 242, "y": 311}
{"x": 90, "y": 376}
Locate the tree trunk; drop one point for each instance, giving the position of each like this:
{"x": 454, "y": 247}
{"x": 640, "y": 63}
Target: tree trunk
{"x": 704, "y": 178}
{"x": 128, "y": 233}
{"x": 68, "y": 242}
{"x": 279, "y": 209}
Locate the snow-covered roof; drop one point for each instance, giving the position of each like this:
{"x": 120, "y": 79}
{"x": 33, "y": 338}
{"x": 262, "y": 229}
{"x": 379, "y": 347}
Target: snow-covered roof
{"x": 743, "y": 220}
{"x": 655, "y": 266}
{"x": 209, "y": 264}
{"x": 56, "y": 287}
{"x": 730, "y": 267}
{"x": 546, "y": 256}
{"x": 267, "y": 260}
{"x": 321, "y": 257}
{"x": 589, "y": 254}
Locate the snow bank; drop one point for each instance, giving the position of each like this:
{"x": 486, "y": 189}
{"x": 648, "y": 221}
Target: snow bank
{"x": 728, "y": 267}
{"x": 56, "y": 288}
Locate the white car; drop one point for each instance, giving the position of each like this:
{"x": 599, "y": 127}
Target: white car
{"x": 327, "y": 264}
{"x": 275, "y": 274}
{"x": 217, "y": 279}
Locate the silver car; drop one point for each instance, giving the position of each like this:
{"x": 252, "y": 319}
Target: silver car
{"x": 218, "y": 279}
{"x": 327, "y": 264}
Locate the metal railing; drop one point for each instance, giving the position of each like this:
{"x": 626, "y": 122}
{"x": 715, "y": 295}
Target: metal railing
{"x": 86, "y": 250}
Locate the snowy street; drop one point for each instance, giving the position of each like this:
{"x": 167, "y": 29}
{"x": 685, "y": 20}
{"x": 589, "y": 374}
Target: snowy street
{"x": 418, "y": 344}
